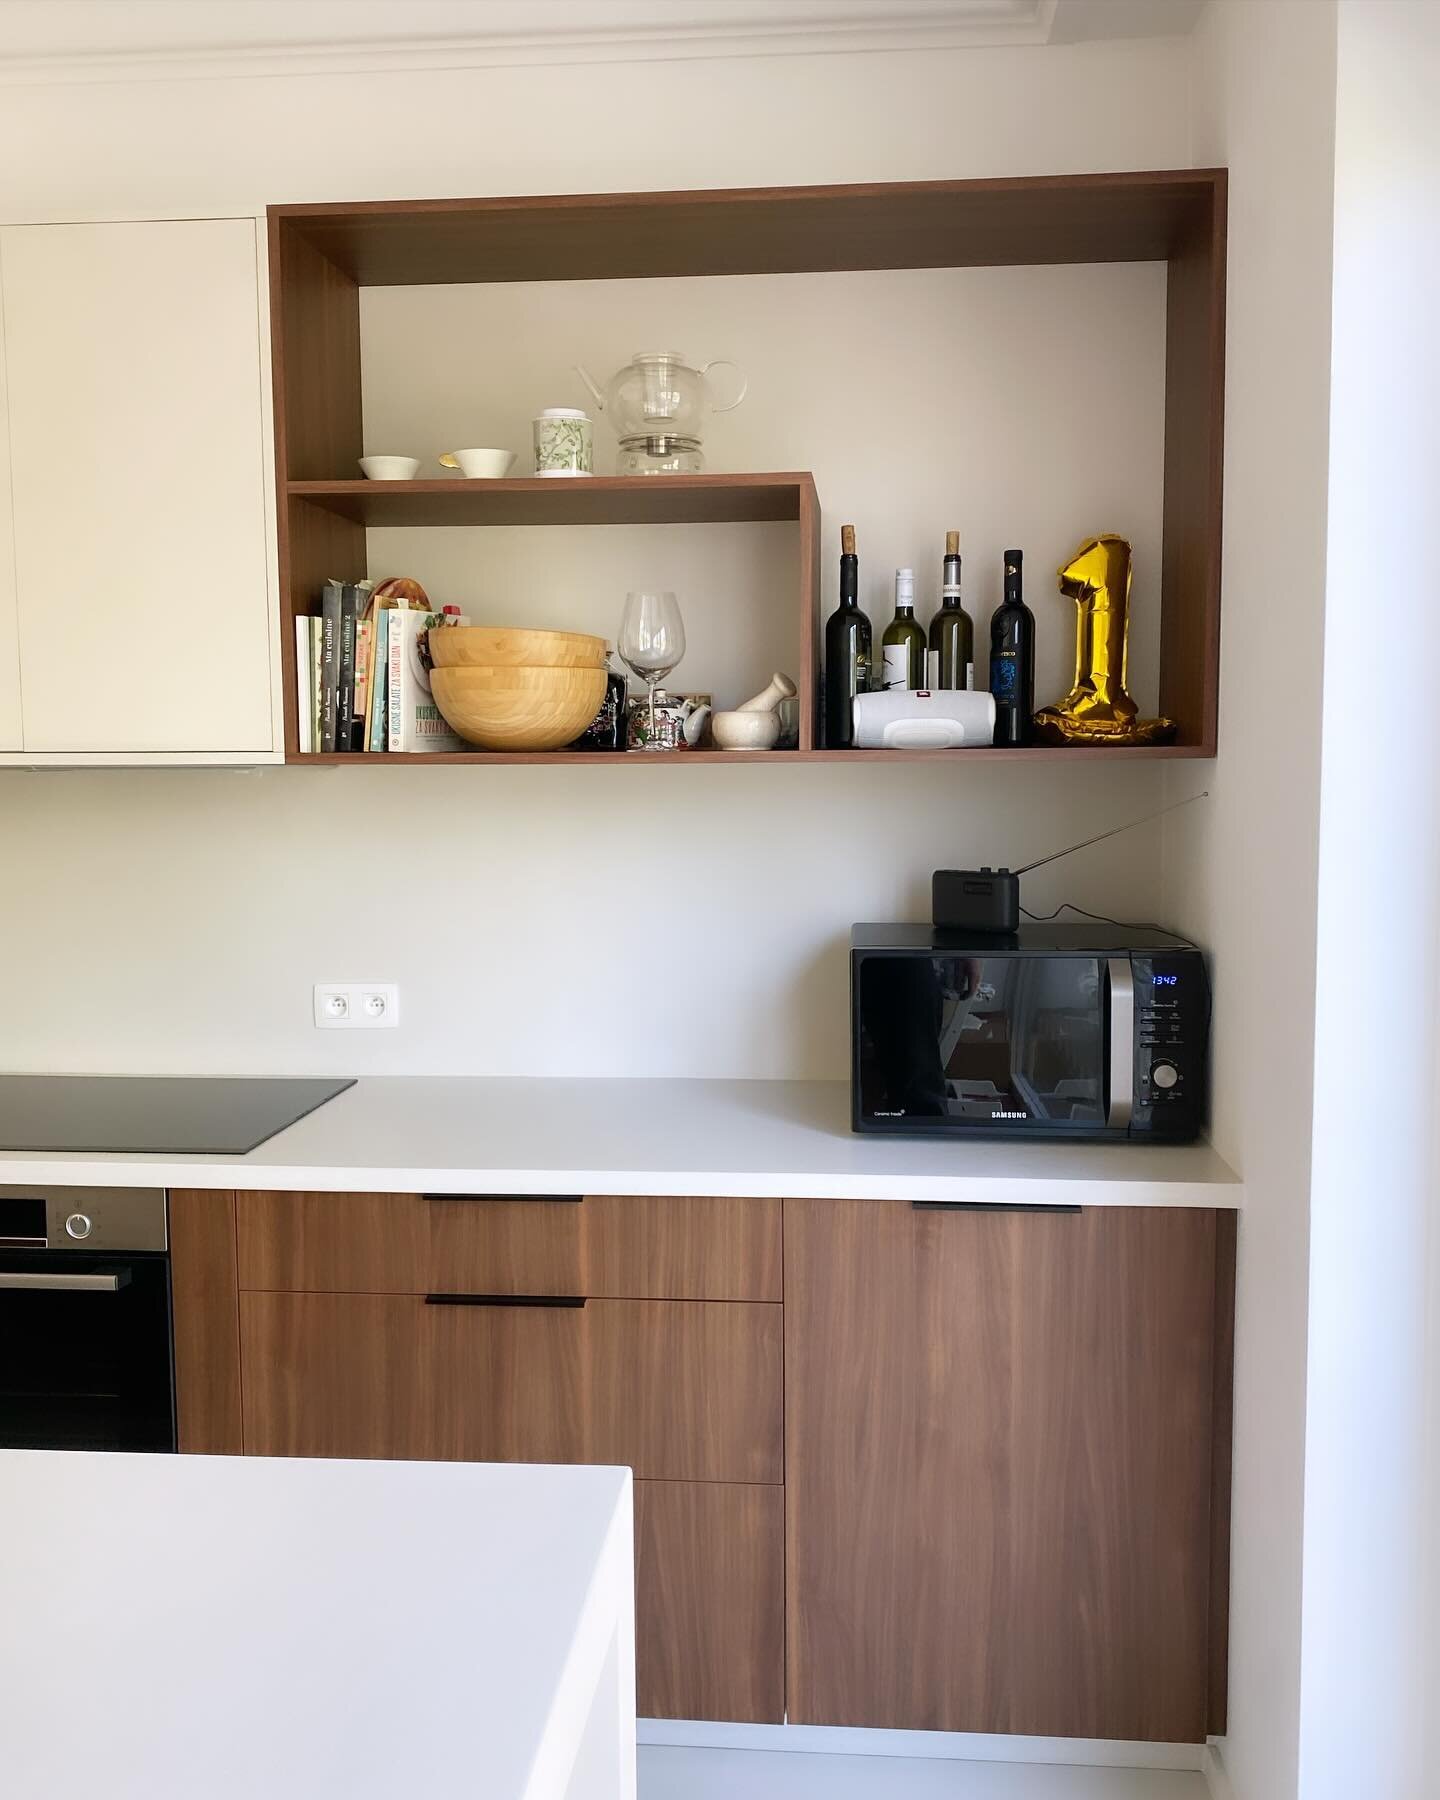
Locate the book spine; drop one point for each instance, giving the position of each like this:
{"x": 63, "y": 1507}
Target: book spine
{"x": 304, "y": 682}
{"x": 317, "y": 646}
{"x": 364, "y": 632}
{"x": 330, "y": 664}
{"x": 380, "y": 678}
{"x": 345, "y": 690}
{"x": 395, "y": 663}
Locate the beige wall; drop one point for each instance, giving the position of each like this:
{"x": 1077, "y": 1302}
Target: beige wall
{"x": 1371, "y": 1662}
{"x": 179, "y": 920}
{"x": 919, "y": 399}
{"x": 1241, "y": 867}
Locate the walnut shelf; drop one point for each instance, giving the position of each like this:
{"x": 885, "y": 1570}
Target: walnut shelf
{"x": 582, "y": 500}
{"x": 321, "y": 255}
{"x": 639, "y": 759}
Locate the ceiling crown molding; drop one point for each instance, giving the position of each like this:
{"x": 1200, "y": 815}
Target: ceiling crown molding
{"x": 65, "y": 41}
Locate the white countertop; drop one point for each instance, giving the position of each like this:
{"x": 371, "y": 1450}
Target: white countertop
{"x": 556, "y": 1136}
{"x": 183, "y": 1626}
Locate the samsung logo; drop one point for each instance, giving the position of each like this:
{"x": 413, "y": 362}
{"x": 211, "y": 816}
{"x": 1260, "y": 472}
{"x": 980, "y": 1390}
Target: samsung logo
{"x": 998, "y": 1114}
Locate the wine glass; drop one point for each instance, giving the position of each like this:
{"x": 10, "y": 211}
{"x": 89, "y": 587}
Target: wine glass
{"x": 652, "y": 639}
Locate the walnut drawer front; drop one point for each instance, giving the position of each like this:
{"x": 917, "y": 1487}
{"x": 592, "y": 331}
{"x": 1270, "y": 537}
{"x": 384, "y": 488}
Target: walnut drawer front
{"x": 676, "y": 1390}
{"x": 612, "y": 1246}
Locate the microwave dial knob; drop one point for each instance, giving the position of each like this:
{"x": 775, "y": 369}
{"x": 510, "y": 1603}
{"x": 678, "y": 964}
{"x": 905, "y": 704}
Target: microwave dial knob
{"x": 1164, "y": 1075}
{"x": 79, "y": 1225}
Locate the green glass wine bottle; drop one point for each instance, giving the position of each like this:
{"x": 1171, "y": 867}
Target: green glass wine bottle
{"x": 903, "y": 644}
{"x": 952, "y": 632}
{"x": 847, "y": 651}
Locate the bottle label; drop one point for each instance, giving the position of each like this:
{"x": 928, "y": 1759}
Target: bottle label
{"x": 932, "y": 668}
{"x": 1005, "y": 677}
{"x": 970, "y": 677}
{"x": 897, "y": 665}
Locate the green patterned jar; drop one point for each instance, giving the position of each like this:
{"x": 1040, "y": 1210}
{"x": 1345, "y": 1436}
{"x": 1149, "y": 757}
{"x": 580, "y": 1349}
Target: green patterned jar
{"x": 562, "y": 442}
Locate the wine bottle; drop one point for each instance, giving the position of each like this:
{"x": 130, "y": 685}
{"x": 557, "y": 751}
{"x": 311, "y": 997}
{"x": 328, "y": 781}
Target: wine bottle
{"x": 1012, "y": 659}
{"x": 904, "y": 642}
{"x": 952, "y": 635}
{"x": 847, "y": 650}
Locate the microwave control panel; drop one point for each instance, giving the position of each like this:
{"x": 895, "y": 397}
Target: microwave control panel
{"x": 1172, "y": 1031}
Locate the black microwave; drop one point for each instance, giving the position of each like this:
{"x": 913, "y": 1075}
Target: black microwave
{"x": 1062, "y": 1031}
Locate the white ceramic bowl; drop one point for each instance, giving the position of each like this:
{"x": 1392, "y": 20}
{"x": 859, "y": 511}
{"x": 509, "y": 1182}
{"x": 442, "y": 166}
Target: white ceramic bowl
{"x": 480, "y": 465}
{"x": 390, "y": 468}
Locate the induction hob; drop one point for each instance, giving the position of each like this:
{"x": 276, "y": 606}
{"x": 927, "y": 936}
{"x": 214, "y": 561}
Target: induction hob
{"x": 180, "y": 1115}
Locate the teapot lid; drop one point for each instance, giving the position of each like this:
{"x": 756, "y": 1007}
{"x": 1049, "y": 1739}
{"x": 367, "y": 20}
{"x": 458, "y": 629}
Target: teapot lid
{"x": 658, "y": 356}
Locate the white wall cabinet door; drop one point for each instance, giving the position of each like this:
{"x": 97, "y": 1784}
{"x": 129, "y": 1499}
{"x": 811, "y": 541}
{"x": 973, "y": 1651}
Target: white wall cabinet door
{"x": 138, "y": 476}
{"x": 9, "y": 615}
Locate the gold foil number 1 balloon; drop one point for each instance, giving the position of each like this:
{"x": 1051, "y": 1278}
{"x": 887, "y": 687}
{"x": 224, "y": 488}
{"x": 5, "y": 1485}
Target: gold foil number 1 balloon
{"x": 1098, "y": 710}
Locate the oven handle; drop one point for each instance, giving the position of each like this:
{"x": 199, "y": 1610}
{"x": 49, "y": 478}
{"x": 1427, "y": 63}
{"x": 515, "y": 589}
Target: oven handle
{"x": 82, "y": 1284}
{"x": 1121, "y": 1022}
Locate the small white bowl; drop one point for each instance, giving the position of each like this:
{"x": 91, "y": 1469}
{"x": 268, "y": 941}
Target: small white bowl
{"x": 479, "y": 465}
{"x": 390, "y": 468}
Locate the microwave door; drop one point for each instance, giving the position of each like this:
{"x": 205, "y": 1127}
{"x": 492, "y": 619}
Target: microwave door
{"x": 984, "y": 1041}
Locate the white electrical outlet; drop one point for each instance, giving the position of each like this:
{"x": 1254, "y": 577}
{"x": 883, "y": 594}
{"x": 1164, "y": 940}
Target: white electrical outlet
{"x": 356, "y": 1005}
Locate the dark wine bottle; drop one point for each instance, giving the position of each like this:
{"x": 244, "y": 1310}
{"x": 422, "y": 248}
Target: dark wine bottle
{"x": 904, "y": 641}
{"x": 1012, "y": 660}
{"x": 952, "y": 635}
{"x": 847, "y": 650}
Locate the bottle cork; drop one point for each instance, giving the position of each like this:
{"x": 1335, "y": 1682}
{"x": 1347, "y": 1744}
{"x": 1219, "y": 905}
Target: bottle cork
{"x": 847, "y": 540}
{"x": 952, "y": 543}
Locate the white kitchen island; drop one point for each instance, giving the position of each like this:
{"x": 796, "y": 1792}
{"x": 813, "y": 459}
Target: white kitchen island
{"x": 212, "y": 1628}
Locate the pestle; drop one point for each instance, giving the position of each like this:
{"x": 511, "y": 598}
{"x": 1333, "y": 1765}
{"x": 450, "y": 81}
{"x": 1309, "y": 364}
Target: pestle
{"x": 781, "y": 688}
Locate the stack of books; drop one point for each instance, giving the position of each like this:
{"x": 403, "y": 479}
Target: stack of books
{"x": 362, "y": 672}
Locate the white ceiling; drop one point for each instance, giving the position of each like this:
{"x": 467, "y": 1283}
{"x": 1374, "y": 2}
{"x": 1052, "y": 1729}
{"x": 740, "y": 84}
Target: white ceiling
{"x": 60, "y": 39}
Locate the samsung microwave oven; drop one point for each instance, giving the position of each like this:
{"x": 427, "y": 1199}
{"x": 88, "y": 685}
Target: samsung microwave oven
{"x": 1064, "y": 1031}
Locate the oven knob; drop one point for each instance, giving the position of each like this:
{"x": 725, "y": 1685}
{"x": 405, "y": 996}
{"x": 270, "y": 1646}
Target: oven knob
{"x": 79, "y": 1225}
{"x": 1164, "y": 1075}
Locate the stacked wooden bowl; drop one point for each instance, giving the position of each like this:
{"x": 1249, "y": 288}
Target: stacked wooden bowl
{"x": 507, "y": 689}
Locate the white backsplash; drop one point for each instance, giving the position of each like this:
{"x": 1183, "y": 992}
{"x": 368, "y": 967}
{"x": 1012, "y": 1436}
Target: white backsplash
{"x": 605, "y": 921}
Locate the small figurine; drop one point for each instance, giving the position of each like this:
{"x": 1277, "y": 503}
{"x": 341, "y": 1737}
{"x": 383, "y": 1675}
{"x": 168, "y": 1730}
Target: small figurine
{"x": 1098, "y": 710}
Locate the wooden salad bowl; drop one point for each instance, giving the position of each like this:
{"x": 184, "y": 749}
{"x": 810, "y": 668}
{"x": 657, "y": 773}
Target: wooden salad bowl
{"x": 496, "y": 646}
{"x": 517, "y": 707}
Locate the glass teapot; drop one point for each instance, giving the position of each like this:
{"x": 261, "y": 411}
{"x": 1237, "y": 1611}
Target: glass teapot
{"x": 657, "y": 404}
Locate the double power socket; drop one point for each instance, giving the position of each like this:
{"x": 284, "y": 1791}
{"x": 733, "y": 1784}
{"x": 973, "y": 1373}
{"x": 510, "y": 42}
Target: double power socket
{"x": 356, "y": 1005}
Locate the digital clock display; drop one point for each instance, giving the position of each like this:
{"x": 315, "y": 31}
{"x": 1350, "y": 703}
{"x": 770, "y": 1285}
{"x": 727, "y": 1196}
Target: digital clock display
{"x": 1167, "y": 980}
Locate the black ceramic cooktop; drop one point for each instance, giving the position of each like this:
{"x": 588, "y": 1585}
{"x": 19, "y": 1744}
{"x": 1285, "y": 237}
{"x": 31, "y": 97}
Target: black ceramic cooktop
{"x": 198, "y": 1115}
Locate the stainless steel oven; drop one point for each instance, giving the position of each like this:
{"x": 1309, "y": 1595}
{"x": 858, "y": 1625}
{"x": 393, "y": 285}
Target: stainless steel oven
{"x": 85, "y": 1337}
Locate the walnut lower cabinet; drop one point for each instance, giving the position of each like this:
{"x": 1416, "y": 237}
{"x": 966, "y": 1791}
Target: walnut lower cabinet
{"x": 962, "y": 1470}
{"x": 1007, "y": 1468}
{"x": 606, "y": 1329}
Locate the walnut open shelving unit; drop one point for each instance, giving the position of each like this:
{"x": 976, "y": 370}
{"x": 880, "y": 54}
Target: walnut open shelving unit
{"x": 321, "y": 256}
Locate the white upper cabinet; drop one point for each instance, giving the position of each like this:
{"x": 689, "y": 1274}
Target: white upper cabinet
{"x": 141, "y": 566}
{"x": 9, "y": 616}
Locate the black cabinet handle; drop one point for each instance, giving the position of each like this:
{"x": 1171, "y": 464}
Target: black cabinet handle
{"x": 539, "y": 1199}
{"x": 571, "y": 1300}
{"x": 998, "y": 1206}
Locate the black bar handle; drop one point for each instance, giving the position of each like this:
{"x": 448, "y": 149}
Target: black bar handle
{"x": 995, "y": 1206}
{"x": 540, "y": 1199}
{"x": 570, "y": 1300}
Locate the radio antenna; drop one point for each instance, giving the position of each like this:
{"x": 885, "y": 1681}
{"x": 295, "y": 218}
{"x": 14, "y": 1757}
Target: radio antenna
{"x": 1100, "y": 838}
